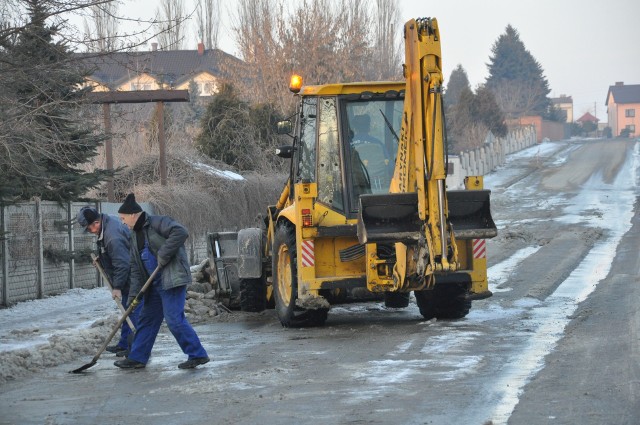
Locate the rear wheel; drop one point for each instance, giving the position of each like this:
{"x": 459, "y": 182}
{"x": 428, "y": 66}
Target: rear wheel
{"x": 396, "y": 299}
{"x": 445, "y": 301}
{"x": 253, "y": 295}
{"x": 285, "y": 282}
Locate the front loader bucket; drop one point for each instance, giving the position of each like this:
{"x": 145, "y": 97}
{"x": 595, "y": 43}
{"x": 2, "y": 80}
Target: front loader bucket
{"x": 390, "y": 217}
{"x": 470, "y": 214}
{"x": 393, "y": 217}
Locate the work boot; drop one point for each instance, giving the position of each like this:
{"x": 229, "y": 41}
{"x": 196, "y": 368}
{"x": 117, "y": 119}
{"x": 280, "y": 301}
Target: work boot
{"x": 129, "y": 364}
{"x": 191, "y": 363}
{"x": 113, "y": 348}
{"x": 122, "y": 352}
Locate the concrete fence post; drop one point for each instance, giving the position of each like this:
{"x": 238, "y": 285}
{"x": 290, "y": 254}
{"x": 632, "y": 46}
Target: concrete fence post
{"x": 72, "y": 249}
{"x": 464, "y": 158}
{"x": 5, "y": 258}
{"x": 472, "y": 163}
{"x": 40, "y": 278}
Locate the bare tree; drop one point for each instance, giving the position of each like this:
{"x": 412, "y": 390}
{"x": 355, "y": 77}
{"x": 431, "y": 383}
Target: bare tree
{"x": 170, "y": 25}
{"x": 519, "y": 97}
{"x": 256, "y": 38}
{"x": 208, "y": 22}
{"x": 388, "y": 36}
{"x": 321, "y": 40}
{"x": 102, "y": 36}
{"x": 353, "y": 39}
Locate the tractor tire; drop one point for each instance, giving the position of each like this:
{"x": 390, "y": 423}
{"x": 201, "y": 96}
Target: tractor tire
{"x": 396, "y": 299}
{"x": 445, "y": 301}
{"x": 285, "y": 282}
{"x": 253, "y": 295}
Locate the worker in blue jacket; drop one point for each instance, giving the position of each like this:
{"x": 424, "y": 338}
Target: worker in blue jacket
{"x": 159, "y": 241}
{"x": 115, "y": 258}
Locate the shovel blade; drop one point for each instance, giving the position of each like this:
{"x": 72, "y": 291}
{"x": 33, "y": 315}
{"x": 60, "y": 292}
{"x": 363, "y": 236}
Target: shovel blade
{"x": 84, "y": 367}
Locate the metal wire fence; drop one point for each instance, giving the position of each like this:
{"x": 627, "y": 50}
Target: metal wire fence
{"x": 45, "y": 252}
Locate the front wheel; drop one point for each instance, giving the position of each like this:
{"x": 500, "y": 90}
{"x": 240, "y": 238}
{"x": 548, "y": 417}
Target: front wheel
{"x": 285, "y": 282}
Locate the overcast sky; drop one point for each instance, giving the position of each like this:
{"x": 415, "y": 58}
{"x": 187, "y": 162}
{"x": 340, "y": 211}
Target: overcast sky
{"x": 583, "y": 46}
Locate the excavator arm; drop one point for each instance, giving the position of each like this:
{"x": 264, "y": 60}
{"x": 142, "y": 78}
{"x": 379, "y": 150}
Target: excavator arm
{"x": 422, "y": 133}
{"x": 414, "y": 215}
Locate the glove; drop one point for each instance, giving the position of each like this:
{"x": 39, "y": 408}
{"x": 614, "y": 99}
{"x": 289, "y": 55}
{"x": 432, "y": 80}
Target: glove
{"x": 162, "y": 262}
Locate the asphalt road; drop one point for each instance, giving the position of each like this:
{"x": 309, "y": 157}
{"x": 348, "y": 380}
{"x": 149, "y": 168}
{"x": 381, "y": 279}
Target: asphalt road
{"x": 558, "y": 343}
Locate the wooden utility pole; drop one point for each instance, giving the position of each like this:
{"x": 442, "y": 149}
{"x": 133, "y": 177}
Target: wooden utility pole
{"x": 143, "y": 96}
{"x": 108, "y": 148}
{"x": 161, "y": 143}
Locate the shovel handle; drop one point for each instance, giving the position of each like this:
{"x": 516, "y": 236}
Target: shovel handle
{"x": 97, "y": 265}
{"x": 132, "y": 305}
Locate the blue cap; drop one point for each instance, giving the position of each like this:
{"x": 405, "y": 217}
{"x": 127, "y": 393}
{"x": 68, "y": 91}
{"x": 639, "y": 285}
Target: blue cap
{"x": 86, "y": 216}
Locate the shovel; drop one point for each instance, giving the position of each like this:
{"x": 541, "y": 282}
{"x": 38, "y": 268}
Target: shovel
{"x": 96, "y": 263}
{"x": 132, "y": 305}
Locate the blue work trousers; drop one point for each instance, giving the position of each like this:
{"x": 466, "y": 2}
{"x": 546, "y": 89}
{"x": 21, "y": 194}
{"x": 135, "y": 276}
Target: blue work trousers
{"x": 162, "y": 304}
{"x": 125, "y": 331}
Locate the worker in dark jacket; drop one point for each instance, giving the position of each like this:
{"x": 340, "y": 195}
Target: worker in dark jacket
{"x": 159, "y": 241}
{"x": 115, "y": 258}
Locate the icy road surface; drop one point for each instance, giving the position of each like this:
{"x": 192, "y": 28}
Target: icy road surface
{"x": 558, "y": 342}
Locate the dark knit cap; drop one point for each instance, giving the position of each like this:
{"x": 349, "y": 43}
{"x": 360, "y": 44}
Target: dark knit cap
{"x": 130, "y": 206}
{"x": 86, "y": 216}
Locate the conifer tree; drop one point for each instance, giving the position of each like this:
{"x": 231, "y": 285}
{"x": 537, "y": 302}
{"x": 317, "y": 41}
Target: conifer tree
{"x": 239, "y": 134}
{"x": 516, "y": 78}
{"x": 43, "y": 138}
{"x": 458, "y": 81}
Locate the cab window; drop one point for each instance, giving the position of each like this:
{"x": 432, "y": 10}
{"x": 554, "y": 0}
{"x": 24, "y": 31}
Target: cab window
{"x": 373, "y": 127}
{"x": 329, "y": 170}
{"x": 307, "y": 150}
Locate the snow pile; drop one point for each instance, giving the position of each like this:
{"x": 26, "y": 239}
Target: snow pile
{"x": 73, "y": 326}
{"x": 208, "y": 169}
{"x": 61, "y": 347}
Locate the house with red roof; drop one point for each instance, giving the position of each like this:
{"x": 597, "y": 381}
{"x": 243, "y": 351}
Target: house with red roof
{"x": 623, "y": 109}
{"x": 587, "y": 118}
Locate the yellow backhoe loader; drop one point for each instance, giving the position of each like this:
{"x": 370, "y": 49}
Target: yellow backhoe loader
{"x": 366, "y": 203}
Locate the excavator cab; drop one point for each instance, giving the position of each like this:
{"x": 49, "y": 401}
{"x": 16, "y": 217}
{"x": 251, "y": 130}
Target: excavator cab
{"x": 346, "y": 143}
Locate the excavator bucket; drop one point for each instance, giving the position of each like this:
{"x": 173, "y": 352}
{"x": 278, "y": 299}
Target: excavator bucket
{"x": 470, "y": 214}
{"x": 389, "y": 217}
{"x": 393, "y": 217}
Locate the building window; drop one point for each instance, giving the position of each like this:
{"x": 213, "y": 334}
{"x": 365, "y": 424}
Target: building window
{"x": 631, "y": 128}
{"x": 207, "y": 88}
{"x": 629, "y": 112}
{"x": 140, "y": 86}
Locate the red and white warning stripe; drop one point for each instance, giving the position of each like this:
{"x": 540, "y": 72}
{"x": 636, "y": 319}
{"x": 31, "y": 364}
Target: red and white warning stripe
{"x": 308, "y": 255}
{"x": 479, "y": 248}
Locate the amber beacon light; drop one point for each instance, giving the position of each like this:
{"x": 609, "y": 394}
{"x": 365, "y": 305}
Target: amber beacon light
{"x": 295, "y": 84}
